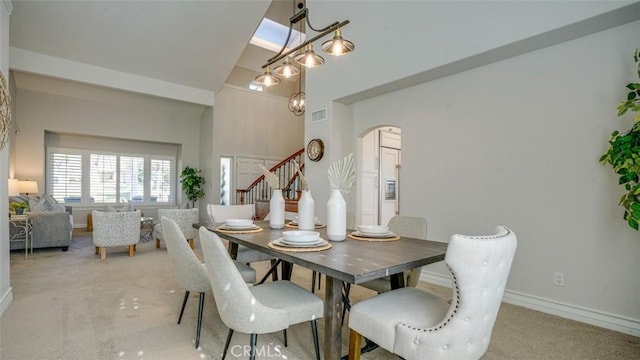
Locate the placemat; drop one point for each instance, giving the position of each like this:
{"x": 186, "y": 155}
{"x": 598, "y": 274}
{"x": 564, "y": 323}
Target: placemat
{"x": 292, "y": 226}
{"x": 326, "y": 246}
{"x": 362, "y": 238}
{"x": 228, "y": 231}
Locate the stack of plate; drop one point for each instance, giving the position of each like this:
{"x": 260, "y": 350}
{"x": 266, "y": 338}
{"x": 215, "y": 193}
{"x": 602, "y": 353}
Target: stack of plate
{"x": 301, "y": 239}
{"x": 373, "y": 231}
{"x": 239, "y": 224}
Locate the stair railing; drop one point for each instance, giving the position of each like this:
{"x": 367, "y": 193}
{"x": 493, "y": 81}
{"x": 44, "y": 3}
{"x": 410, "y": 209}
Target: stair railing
{"x": 287, "y": 176}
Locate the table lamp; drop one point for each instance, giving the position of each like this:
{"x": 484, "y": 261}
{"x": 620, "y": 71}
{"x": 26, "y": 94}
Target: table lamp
{"x": 28, "y": 187}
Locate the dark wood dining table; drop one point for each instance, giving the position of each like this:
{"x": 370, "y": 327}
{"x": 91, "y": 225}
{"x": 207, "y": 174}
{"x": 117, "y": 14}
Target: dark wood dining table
{"x": 349, "y": 261}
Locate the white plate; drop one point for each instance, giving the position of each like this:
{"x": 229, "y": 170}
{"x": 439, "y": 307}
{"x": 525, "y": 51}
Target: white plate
{"x": 300, "y": 236}
{"x": 388, "y": 234}
{"x": 283, "y": 242}
{"x": 238, "y": 222}
{"x": 250, "y": 227}
{"x": 373, "y": 229}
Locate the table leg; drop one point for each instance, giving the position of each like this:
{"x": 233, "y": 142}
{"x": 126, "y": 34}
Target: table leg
{"x": 233, "y": 250}
{"x": 397, "y": 281}
{"x": 333, "y": 319}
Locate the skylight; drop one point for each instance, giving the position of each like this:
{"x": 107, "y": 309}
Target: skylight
{"x": 271, "y": 35}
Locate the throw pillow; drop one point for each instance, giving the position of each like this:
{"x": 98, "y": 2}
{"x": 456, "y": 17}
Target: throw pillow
{"x": 185, "y": 205}
{"x": 127, "y": 207}
{"x": 109, "y": 208}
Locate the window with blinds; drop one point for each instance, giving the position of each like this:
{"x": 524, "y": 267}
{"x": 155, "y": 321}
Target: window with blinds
{"x": 84, "y": 177}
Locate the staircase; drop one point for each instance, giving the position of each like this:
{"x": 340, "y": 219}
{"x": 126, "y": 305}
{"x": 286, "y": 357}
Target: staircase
{"x": 259, "y": 192}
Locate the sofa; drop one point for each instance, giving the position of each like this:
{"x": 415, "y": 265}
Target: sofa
{"x": 52, "y": 223}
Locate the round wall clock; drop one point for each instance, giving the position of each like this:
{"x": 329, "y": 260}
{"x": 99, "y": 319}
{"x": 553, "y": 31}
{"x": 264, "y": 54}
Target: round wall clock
{"x": 315, "y": 149}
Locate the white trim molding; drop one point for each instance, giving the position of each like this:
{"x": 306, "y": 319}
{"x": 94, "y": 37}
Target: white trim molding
{"x": 589, "y": 316}
{"x": 5, "y": 301}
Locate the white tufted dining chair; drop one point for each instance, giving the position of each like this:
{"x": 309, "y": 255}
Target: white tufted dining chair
{"x": 185, "y": 218}
{"x": 416, "y": 324}
{"x": 190, "y": 273}
{"x": 259, "y": 309}
{"x": 113, "y": 229}
{"x": 221, "y": 213}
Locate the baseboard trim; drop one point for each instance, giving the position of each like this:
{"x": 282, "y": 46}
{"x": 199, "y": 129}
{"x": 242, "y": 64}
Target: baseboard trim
{"x": 7, "y": 298}
{"x": 589, "y": 316}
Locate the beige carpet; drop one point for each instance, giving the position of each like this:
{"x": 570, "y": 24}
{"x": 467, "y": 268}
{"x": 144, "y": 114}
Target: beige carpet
{"x": 72, "y": 306}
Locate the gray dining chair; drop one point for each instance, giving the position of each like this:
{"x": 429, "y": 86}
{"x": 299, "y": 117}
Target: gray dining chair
{"x": 259, "y": 309}
{"x": 221, "y": 213}
{"x": 190, "y": 273}
{"x": 416, "y": 324}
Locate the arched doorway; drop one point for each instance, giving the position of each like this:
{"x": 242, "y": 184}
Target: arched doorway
{"x": 380, "y": 156}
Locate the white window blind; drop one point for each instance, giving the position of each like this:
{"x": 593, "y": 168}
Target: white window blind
{"x": 64, "y": 170}
{"x": 162, "y": 174}
{"x": 103, "y": 178}
{"x": 131, "y": 179}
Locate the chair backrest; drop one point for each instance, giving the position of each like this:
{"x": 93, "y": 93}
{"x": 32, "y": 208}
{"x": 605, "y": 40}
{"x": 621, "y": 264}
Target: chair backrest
{"x": 238, "y": 308}
{"x": 184, "y": 218}
{"x": 220, "y": 213}
{"x": 479, "y": 267}
{"x": 409, "y": 226}
{"x": 190, "y": 273}
{"x": 116, "y": 228}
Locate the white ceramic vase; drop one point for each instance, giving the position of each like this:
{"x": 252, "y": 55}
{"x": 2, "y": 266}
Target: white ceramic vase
{"x": 276, "y": 210}
{"x": 336, "y": 216}
{"x": 306, "y": 211}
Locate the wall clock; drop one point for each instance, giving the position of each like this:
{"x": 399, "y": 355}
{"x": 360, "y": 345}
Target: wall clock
{"x": 315, "y": 149}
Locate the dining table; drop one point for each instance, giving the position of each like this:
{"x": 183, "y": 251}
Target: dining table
{"x": 348, "y": 261}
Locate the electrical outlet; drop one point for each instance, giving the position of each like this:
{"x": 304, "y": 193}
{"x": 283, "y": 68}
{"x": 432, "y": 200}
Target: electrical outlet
{"x": 558, "y": 279}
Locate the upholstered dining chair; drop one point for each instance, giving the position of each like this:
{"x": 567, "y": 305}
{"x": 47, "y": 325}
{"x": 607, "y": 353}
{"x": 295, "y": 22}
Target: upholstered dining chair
{"x": 190, "y": 273}
{"x": 113, "y": 229}
{"x": 259, "y": 309}
{"x": 185, "y": 218}
{"x": 221, "y": 213}
{"x": 416, "y": 324}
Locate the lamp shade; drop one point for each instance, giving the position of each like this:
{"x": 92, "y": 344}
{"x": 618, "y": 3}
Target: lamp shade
{"x": 28, "y": 186}
{"x": 14, "y": 190}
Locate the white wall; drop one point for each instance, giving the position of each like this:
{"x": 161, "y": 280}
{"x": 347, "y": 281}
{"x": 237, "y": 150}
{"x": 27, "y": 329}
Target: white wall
{"x": 45, "y": 104}
{"x": 5, "y": 285}
{"x": 252, "y": 125}
{"x": 515, "y": 142}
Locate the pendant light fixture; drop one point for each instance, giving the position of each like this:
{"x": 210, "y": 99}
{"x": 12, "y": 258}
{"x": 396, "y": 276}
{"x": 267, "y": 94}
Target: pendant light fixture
{"x": 286, "y": 70}
{"x": 338, "y": 46}
{"x": 297, "y": 100}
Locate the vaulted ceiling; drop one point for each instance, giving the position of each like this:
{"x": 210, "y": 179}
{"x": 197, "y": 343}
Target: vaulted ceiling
{"x": 191, "y": 47}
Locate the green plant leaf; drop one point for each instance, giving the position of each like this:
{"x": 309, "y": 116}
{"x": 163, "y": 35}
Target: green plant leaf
{"x": 631, "y": 95}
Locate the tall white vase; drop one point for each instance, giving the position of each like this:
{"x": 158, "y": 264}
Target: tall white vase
{"x": 306, "y": 211}
{"x": 336, "y": 216}
{"x": 276, "y": 210}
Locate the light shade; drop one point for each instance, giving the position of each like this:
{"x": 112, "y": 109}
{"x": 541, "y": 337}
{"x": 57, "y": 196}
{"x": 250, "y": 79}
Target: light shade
{"x": 286, "y": 70}
{"x": 309, "y": 58}
{"x": 267, "y": 79}
{"x": 297, "y": 103}
{"x": 338, "y": 46}
{"x": 28, "y": 186}
{"x": 14, "y": 190}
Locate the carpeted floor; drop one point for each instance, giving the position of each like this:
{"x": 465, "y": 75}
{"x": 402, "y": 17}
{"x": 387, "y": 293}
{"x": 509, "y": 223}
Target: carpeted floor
{"x": 69, "y": 305}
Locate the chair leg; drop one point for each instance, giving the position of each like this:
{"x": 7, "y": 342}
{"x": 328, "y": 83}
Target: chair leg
{"x": 273, "y": 269}
{"x": 346, "y": 289}
{"x": 226, "y": 344}
{"x": 103, "y": 253}
{"x": 132, "y": 250}
{"x": 313, "y": 283}
{"x": 190, "y": 243}
{"x": 254, "y": 342}
{"x": 200, "y": 311}
{"x": 97, "y": 250}
{"x": 274, "y": 265}
{"x": 314, "y": 333}
{"x": 157, "y": 243}
{"x": 355, "y": 343}
{"x": 184, "y": 303}
{"x": 285, "y": 337}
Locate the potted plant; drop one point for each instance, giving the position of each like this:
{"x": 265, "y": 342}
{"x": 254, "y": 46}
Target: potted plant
{"x": 624, "y": 153}
{"x": 18, "y": 207}
{"x": 192, "y": 182}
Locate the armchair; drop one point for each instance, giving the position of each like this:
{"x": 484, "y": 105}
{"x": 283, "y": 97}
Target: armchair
{"x": 112, "y": 229}
{"x": 185, "y": 218}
